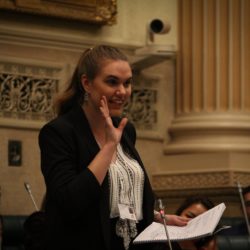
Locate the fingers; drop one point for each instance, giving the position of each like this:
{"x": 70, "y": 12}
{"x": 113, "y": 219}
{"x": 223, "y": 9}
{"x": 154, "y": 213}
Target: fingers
{"x": 181, "y": 221}
{"x": 184, "y": 219}
{"x": 123, "y": 123}
{"x": 177, "y": 220}
{"x": 105, "y": 112}
{"x": 104, "y": 107}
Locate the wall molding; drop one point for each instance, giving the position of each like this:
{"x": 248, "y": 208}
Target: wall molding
{"x": 201, "y": 180}
{"x": 47, "y": 39}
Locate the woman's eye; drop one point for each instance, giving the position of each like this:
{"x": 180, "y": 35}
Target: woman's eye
{"x": 112, "y": 81}
{"x": 128, "y": 82}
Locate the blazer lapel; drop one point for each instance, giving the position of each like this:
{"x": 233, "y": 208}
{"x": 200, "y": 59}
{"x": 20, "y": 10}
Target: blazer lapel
{"x": 89, "y": 143}
{"x": 84, "y": 131}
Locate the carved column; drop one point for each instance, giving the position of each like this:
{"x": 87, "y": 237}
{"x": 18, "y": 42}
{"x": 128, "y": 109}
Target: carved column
{"x": 213, "y": 86}
{"x": 209, "y": 145}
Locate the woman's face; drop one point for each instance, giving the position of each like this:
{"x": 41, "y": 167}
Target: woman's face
{"x": 113, "y": 81}
{"x": 193, "y": 210}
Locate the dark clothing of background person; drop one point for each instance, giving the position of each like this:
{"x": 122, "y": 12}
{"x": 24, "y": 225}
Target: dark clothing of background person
{"x": 239, "y": 229}
{"x": 34, "y": 229}
{"x": 74, "y": 196}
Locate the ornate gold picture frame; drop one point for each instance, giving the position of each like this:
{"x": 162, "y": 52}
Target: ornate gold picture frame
{"x": 92, "y": 11}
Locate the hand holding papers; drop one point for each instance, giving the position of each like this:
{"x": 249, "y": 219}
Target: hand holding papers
{"x": 200, "y": 226}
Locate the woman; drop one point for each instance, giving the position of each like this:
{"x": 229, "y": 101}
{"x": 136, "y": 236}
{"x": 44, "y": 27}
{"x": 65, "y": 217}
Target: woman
{"x": 190, "y": 208}
{"x": 98, "y": 193}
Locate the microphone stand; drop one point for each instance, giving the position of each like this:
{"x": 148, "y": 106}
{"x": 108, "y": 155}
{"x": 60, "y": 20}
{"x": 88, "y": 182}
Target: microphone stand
{"x": 162, "y": 213}
{"x": 28, "y": 188}
{"x": 243, "y": 207}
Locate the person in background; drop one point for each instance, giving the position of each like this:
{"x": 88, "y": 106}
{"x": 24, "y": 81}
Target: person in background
{"x": 1, "y": 231}
{"x": 98, "y": 194}
{"x": 240, "y": 228}
{"x": 190, "y": 208}
{"x": 246, "y": 196}
{"x": 34, "y": 230}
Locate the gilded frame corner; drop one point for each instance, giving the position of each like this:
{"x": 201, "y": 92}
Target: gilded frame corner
{"x": 90, "y": 11}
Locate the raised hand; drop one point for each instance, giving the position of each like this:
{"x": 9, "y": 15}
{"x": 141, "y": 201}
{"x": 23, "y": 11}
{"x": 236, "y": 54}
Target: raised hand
{"x": 112, "y": 134}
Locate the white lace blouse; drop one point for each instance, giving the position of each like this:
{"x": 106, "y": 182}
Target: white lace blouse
{"x": 126, "y": 180}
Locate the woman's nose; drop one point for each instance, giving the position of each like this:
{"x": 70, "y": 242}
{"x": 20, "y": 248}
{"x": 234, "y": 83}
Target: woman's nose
{"x": 121, "y": 90}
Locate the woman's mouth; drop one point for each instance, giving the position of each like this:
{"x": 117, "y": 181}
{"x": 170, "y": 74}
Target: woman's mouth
{"x": 117, "y": 103}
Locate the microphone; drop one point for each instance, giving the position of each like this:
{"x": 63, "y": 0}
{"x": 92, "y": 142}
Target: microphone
{"x": 243, "y": 207}
{"x": 162, "y": 213}
{"x": 28, "y": 189}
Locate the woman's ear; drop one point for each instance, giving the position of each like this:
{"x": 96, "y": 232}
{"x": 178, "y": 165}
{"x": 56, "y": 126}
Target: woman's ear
{"x": 85, "y": 83}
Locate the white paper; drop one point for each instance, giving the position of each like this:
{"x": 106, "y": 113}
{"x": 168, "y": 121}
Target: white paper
{"x": 198, "y": 227}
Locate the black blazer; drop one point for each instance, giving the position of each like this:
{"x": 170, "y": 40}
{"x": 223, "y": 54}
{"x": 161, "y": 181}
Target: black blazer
{"x": 77, "y": 207}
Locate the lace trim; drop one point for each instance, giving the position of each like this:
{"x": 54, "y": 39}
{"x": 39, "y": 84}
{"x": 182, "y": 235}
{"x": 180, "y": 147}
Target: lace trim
{"x": 126, "y": 179}
{"x": 127, "y": 230}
